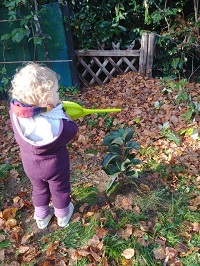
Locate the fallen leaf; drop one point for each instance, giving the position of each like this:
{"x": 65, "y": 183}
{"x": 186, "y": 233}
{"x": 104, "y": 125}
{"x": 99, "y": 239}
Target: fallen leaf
{"x": 23, "y": 249}
{"x": 126, "y": 204}
{"x": 14, "y": 173}
{"x": 128, "y": 253}
{"x": 94, "y": 241}
{"x": 9, "y": 213}
{"x": 144, "y": 187}
{"x": 11, "y": 223}
{"x": 159, "y": 253}
{"x": 101, "y": 232}
{"x": 2, "y": 255}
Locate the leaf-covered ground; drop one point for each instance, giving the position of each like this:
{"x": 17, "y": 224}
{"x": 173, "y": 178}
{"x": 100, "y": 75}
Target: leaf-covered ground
{"x": 170, "y": 156}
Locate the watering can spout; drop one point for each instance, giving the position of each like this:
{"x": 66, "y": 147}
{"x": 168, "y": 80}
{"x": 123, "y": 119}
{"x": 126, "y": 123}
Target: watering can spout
{"x": 76, "y": 111}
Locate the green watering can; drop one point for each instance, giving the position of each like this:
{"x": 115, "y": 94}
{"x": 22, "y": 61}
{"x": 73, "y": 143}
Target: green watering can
{"x": 75, "y": 111}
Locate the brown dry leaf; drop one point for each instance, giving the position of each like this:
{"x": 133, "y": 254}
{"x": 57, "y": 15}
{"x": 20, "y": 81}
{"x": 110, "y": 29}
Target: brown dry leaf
{"x": 88, "y": 214}
{"x": 159, "y": 253}
{"x": 101, "y": 232}
{"x": 2, "y": 223}
{"x": 95, "y": 256}
{"x": 144, "y": 187}
{"x": 171, "y": 252}
{"x": 136, "y": 210}
{"x": 195, "y": 202}
{"x": 2, "y": 238}
{"x": 192, "y": 208}
{"x": 126, "y": 232}
{"x": 161, "y": 242}
{"x": 175, "y": 262}
{"x": 196, "y": 227}
{"x": 16, "y": 233}
{"x": 11, "y": 223}
{"x": 31, "y": 254}
{"x": 138, "y": 233}
{"x": 128, "y": 253}
{"x": 9, "y": 213}
{"x": 23, "y": 249}
{"x": 2, "y": 255}
{"x": 125, "y": 262}
{"x": 14, "y": 173}
{"x": 26, "y": 238}
{"x": 104, "y": 261}
{"x": 76, "y": 217}
{"x": 94, "y": 241}
{"x": 143, "y": 226}
{"x": 83, "y": 207}
{"x": 47, "y": 263}
{"x": 143, "y": 242}
{"x": 52, "y": 247}
{"x": 181, "y": 248}
{"x": 126, "y": 204}
{"x": 83, "y": 252}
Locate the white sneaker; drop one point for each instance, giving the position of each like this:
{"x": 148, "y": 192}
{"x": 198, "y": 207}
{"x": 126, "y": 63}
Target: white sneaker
{"x": 42, "y": 223}
{"x": 65, "y": 220}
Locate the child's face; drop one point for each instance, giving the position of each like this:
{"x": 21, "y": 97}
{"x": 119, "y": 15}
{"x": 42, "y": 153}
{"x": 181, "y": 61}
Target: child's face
{"x": 55, "y": 93}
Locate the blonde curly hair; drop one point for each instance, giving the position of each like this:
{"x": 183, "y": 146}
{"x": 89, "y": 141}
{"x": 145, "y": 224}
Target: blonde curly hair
{"x": 35, "y": 85}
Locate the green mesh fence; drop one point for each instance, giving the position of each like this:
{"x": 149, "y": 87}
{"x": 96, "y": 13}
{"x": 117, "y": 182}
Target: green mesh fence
{"x": 51, "y": 22}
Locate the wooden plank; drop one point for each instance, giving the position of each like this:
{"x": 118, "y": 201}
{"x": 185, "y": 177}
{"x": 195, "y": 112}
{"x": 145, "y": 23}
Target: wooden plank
{"x": 130, "y": 65}
{"x": 132, "y": 62}
{"x": 89, "y": 66}
{"x": 118, "y": 53}
{"x": 100, "y": 70}
{"x": 117, "y": 68}
{"x": 84, "y": 81}
{"x": 102, "y": 67}
{"x": 90, "y": 71}
{"x": 143, "y": 53}
{"x": 151, "y": 46}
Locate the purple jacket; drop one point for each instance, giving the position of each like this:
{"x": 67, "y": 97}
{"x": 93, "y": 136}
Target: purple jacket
{"x": 46, "y": 161}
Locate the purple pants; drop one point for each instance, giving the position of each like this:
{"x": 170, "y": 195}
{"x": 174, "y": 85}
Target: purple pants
{"x": 47, "y": 166}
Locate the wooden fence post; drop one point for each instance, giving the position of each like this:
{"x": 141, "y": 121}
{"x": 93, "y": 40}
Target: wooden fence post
{"x": 143, "y": 53}
{"x": 151, "y": 46}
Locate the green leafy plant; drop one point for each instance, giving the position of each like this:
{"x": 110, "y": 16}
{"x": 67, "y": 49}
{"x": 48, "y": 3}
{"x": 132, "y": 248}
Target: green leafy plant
{"x": 72, "y": 90}
{"x": 4, "y": 83}
{"x": 166, "y": 131}
{"x": 120, "y": 161}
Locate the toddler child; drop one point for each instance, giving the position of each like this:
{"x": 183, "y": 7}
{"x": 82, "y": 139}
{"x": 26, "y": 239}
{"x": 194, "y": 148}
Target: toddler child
{"x": 42, "y": 129}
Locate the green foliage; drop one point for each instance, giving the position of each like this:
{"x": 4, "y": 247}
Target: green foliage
{"x": 97, "y": 24}
{"x": 120, "y": 161}
{"x": 72, "y": 90}
{"x": 183, "y": 96}
{"x": 166, "y": 131}
{"x": 4, "y": 80}
{"x": 85, "y": 195}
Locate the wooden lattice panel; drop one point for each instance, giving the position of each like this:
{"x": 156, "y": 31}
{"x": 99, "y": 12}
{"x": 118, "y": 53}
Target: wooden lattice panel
{"x": 100, "y": 66}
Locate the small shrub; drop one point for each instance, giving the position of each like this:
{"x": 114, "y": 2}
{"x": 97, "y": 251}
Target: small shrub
{"x": 121, "y": 158}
